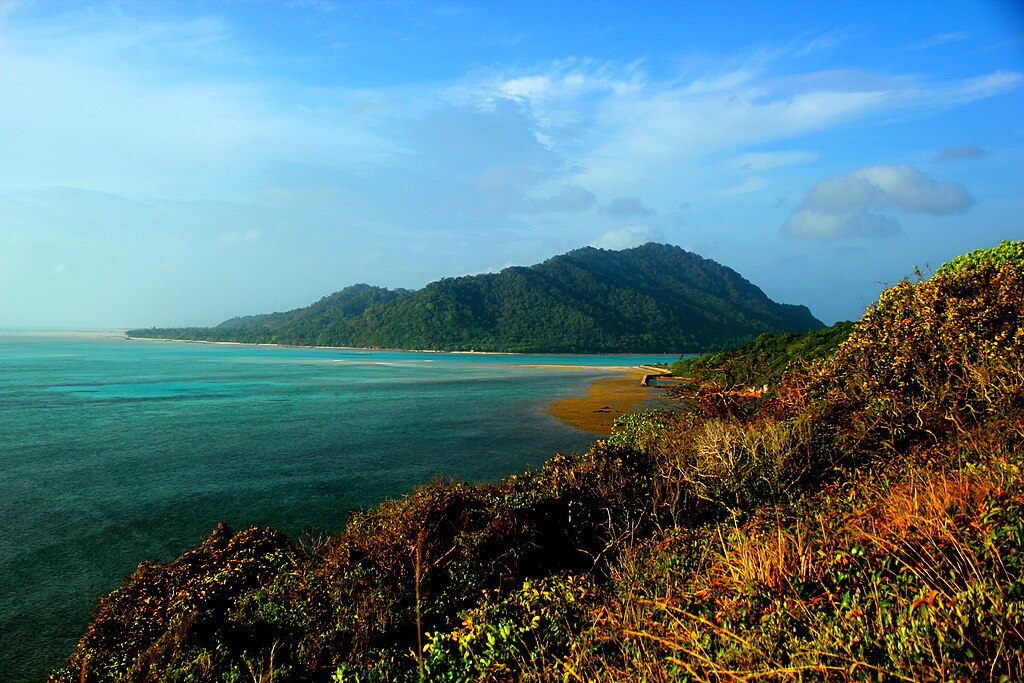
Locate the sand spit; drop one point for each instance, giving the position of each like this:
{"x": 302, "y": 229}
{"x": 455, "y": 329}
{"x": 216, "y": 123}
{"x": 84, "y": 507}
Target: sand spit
{"x": 607, "y": 399}
{"x": 337, "y": 348}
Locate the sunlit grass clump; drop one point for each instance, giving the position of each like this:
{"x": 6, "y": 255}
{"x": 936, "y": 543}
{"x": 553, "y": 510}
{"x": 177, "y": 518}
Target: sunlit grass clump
{"x": 863, "y": 519}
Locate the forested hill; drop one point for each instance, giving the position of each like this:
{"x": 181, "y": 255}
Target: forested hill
{"x": 650, "y": 299}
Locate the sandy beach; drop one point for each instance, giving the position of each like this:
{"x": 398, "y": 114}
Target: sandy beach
{"x": 607, "y": 399}
{"x": 302, "y": 346}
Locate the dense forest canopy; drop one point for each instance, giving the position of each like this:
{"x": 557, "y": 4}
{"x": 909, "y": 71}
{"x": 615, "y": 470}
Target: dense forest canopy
{"x": 650, "y": 299}
{"x": 765, "y": 360}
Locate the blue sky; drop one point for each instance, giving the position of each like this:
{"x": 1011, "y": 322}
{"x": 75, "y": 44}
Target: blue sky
{"x": 184, "y": 162}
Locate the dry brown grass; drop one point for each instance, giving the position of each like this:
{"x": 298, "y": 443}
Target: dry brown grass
{"x": 772, "y": 558}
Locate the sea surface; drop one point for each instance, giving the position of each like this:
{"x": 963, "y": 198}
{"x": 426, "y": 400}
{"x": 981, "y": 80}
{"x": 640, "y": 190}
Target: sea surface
{"x": 115, "y": 451}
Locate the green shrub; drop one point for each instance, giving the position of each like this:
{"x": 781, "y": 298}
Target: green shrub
{"x": 931, "y": 358}
{"x": 521, "y": 636}
{"x": 174, "y": 622}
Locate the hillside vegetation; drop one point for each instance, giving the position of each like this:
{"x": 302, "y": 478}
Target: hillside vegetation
{"x": 650, "y": 299}
{"x": 864, "y": 522}
{"x": 766, "y": 359}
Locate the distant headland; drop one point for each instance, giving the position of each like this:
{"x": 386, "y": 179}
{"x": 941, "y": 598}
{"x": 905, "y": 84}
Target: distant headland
{"x": 654, "y": 298}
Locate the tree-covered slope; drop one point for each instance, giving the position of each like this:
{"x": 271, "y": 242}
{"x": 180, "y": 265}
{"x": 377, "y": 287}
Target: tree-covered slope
{"x": 652, "y": 298}
{"x": 302, "y": 326}
{"x": 764, "y": 360}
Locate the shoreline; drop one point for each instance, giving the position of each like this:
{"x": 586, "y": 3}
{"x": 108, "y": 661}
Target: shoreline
{"x": 606, "y": 398}
{"x": 381, "y": 348}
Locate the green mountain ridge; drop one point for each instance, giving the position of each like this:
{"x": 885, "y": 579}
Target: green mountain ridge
{"x": 654, "y": 298}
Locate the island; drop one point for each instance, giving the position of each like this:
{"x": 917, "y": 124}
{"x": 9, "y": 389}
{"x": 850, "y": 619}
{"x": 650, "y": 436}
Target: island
{"x": 654, "y": 298}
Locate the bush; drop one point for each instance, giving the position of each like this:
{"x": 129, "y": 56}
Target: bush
{"x": 521, "y": 636}
{"x": 931, "y": 358}
{"x": 174, "y": 622}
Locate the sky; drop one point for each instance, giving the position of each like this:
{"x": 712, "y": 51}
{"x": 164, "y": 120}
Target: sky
{"x": 179, "y": 163}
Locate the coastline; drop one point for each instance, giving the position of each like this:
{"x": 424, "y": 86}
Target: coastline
{"x": 343, "y": 348}
{"x": 383, "y": 348}
{"x": 607, "y": 399}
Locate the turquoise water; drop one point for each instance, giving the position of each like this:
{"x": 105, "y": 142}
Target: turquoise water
{"x": 115, "y": 451}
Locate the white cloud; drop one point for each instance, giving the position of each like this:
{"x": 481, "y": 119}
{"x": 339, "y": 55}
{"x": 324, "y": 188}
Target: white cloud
{"x": 940, "y": 39}
{"x": 821, "y": 43}
{"x": 759, "y": 162}
{"x": 909, "y": 189}
{"x": 238, "y": 237}
{"x": 9, "y": 6}
{"x": 751, "y": 184}
{"x": 627, "y": 207}
{"x": 559, "y": 94}
{"x": 844, "y": 193}
{"x": 121, "y": 106}
{"x": 619, "y": 128}
{"x": 849, "y": 205}
{"x": 965, "y": 91}
{"x": 825, "y": 224}
{"x": 727, "y": 81}
{"x": 625, "y": 238}
{"x": 224, "y": 143}
{"x": 960, "y": 153}
{"x": 756, "y": 162}
{"x": 569, "y": 199}
{"x": 320, "y": 5}
{"x": 130, "y": 120}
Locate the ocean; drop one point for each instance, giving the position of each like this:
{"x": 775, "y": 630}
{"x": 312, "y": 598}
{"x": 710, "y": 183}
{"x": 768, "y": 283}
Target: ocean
{"x": 115, "y": 451}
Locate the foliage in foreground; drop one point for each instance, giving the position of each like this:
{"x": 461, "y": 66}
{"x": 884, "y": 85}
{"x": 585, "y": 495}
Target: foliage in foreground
{"x": 864, "y": 522}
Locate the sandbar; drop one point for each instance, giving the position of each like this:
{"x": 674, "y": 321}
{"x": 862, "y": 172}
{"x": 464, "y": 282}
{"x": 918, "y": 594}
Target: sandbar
{"x": 607, "y": 399}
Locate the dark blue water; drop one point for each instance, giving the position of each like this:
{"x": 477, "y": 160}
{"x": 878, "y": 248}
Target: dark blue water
{"x": 115, "y": 451}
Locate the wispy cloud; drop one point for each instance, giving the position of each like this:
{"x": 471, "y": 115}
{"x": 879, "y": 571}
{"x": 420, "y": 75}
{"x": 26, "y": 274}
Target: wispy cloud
{"x": 187, "y": 111}
{"x": 615, "y": 124}
{"x": 851, "y": 205}
{"x": 756, "y": 162}
{"x": 751, "y": 184}
{"x": 8, "y": 6}
{"x": 960, "y": 153}
{"x": 319, "y": 5}
{"x": 968, "y": 90}
{"x": 627, "y": 207}
{"x": 111, "y": 106}
{"x": 606, "y": 129}
{"x": 624, "y": 238}
{"x": 239, "y": 237}
{"x": 818, "y": 43}
{"x": 569, "y": 199}
{"x": 939, "y": 39}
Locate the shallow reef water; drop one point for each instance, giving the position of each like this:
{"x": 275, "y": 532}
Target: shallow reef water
{"x": 115, "y": 451}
